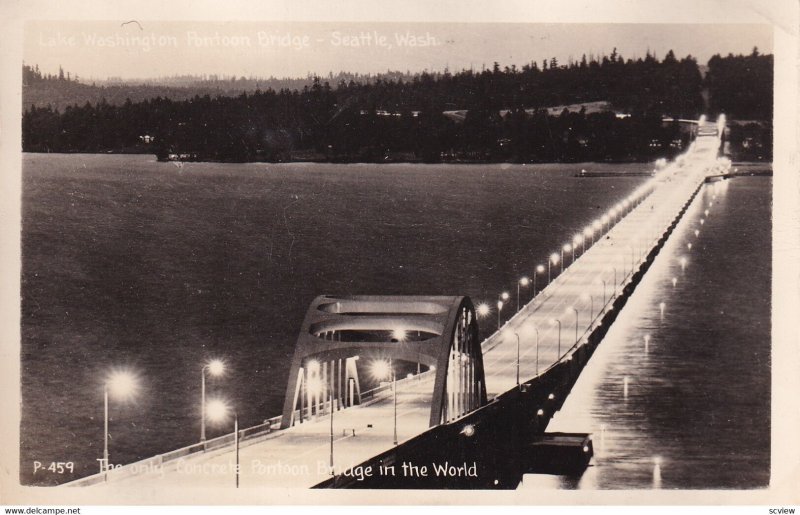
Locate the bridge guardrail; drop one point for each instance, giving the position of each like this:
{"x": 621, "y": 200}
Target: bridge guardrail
{"x": 154, "y": 463}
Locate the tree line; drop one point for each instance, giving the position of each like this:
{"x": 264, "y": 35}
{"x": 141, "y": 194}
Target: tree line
{"x": 406, "y": 118}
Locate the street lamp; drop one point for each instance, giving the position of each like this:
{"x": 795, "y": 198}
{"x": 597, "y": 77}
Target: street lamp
{"x": 331, "y": 432}
{"x": 588, "y": 232}
{"x": 517, "y": 335}
{"x": 576, "y": 240}
{"x": 557, "y": 321}
{"x": 632, "y": 256}
{"x": 576, "y": 321}
{"x": 216, "y": 368}
{"x": 522, "y": 282}
{"x": 597, "y": 227}
{"x": 218, "y": 412}
{"x": 499, "y": 310}
{"x": 539, "y": 270}
{"x": 604, "y": 291}
{"x": 554, "y": 261}
{"x": 382, "y": 370}
{"x": 483, "y": 310}
{"x": 123, "y": 385}
{"x": 566, "y": 248}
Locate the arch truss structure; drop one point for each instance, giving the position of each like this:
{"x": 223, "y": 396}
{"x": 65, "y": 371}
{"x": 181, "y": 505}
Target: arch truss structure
{"x": 439, "y": 332}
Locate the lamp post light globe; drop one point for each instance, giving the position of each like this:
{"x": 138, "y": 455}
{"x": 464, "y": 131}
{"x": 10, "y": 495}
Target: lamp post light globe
{"x": 399, "y": 334}
{"x": 215, "y": 367}
{"x": 217, "y": 410}
{"x": 483, "y": 310}
{"x": 524, "y": 281}
{"x": 123, "y": 385}
{"x": 554, "y": 261}
{"x": 499, "y": 310}
{"x": 566, "y": 248}
{"x": 382, "y": 370}
{"x": 576, "y": 240}
{"x": 539, "y": 270}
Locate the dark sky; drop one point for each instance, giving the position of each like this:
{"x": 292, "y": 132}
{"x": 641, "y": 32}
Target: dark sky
{"x": 99, "y": 50}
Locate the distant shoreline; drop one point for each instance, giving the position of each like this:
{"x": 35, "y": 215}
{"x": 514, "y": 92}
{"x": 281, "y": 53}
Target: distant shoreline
{"x": 750, "y": 168}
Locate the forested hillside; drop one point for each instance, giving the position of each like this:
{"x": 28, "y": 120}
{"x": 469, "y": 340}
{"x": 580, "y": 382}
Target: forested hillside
{"x": 402, "y": 118}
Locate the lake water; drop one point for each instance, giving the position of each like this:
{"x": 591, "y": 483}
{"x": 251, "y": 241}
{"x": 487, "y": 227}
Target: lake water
{"x": 696, "y": 409}
{"x": 156, "y": 268}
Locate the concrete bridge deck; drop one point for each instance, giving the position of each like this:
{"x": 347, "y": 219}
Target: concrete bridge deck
{"x": 300, "y": 456}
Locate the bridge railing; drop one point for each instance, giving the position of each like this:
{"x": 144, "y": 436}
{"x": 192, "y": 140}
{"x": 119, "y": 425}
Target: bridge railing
{"x": 368, "y": 396}
{"x": 154, "y": 464}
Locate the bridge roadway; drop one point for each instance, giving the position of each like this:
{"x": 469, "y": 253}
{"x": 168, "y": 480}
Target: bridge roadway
{"x": 300, "y": 456}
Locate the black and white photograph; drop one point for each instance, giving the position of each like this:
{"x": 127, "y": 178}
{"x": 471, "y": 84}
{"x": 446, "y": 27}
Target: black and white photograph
{"x": 436, "y": 254}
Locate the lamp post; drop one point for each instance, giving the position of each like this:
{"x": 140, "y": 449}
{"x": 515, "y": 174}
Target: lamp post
{"x": 604, "y": 291}
{"x": 123, "y": 385}
{"x": 566, "y": 248}
{"x": 104, "y": 467}
{"x": 573, "y": 308}
{"x": 219, "y": 412}
{"x": 554, "y": 260}
{"x": 632, "y": 258}
{"x": 615, "y": 279}
{"x": 557, "y": 321}
{"x": 539, "y": 270}
{"x": 537, "y": 349}
{"x": 383, "y": 370}
{"x": 522, "y": 282}
{"x": 394, "y": 390}
{"x": 499, "y": 310}
{"x": 236, "y": 443}
{"x": 517, "y": 335}
{"x": 215, "y": 367}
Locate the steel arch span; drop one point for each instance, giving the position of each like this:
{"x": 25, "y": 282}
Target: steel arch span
{"x": 440, "y": 332}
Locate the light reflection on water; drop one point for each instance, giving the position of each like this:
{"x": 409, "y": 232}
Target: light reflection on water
{"x": 697, "y": 410}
